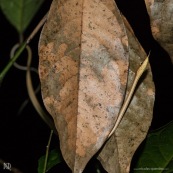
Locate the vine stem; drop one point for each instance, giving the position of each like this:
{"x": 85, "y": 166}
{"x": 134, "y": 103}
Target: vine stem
{"x": 47, "y": 152}
{"x": 36, "y": 29}
{"x": 10, "y": 63}
{"x": 21, "y": 48}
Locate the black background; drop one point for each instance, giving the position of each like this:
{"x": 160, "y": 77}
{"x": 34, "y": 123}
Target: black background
{"x": 23, "y": 138}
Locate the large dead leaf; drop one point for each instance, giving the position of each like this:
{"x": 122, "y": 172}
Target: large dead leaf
{"x": 117, "y": 153}
{"x": 83, "y": 71}
{"x": 161, "y": 17}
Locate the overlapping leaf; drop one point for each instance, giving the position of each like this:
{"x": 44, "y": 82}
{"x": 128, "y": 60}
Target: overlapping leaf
{"x": 77, "y": 53}
{"x": 157, "y": 155}
{"x": 83, "y": 70}
{"x": 160, "y": 12}
{"x": 20, "y": 12}
{"x": 54, "y": 158}
{"x": 117, "y": 153}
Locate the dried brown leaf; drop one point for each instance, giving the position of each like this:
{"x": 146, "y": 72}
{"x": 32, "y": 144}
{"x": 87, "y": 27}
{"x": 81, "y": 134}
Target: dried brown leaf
{"x": 161, "y": 17}
{"x": 83, "y": 71}
{"x": 137, "y": 119}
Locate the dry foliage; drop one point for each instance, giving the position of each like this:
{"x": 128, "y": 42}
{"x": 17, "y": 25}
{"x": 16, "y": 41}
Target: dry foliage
{"x": 161, "y": 17}
{"x": 83, "y": 68}
{"x": 117, "y": 153}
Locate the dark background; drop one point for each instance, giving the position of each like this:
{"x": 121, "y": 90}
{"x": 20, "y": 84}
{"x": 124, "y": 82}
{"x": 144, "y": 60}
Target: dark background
{"x": 23, "y": 138}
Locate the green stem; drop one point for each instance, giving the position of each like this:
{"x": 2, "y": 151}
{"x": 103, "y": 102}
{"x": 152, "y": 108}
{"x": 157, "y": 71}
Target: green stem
{"x": 21, "y": 38}
{"x": 10, "y": 63}
{"x": 21, "y": 48}
{"x": 47, "y": 152}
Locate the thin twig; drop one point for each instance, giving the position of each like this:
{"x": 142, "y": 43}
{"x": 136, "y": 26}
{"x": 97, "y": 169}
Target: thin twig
{"x": 47, "y": 152}
{"x": 10, "y": 63}
{"x": 37, "y": 28}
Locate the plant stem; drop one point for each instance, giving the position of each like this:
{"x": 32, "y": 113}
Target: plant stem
{"x": 10, "y": 63}
{"x": 36, "y": 29}
{"x": 47, "y": 152}
{"x": 21, "y": 48}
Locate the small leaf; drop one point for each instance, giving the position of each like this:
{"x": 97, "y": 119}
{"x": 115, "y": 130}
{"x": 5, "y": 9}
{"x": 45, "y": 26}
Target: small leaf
{"x": 20, "y": 12}
{"x": 54, "y": 158}
{"x": 158, "y": 152}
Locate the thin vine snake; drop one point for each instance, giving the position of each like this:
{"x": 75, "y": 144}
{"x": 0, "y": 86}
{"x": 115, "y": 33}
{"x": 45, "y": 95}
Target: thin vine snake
{"x": 31, "y": 92}
{"x": 139, "y": 73}
{"x": 35, "y": 102}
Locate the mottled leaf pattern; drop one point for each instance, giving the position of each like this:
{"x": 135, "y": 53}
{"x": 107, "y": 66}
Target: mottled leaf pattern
{"x": 83, "y": 70}
{"x": 161, "y": 17}
{"x": 137, "y": 119}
